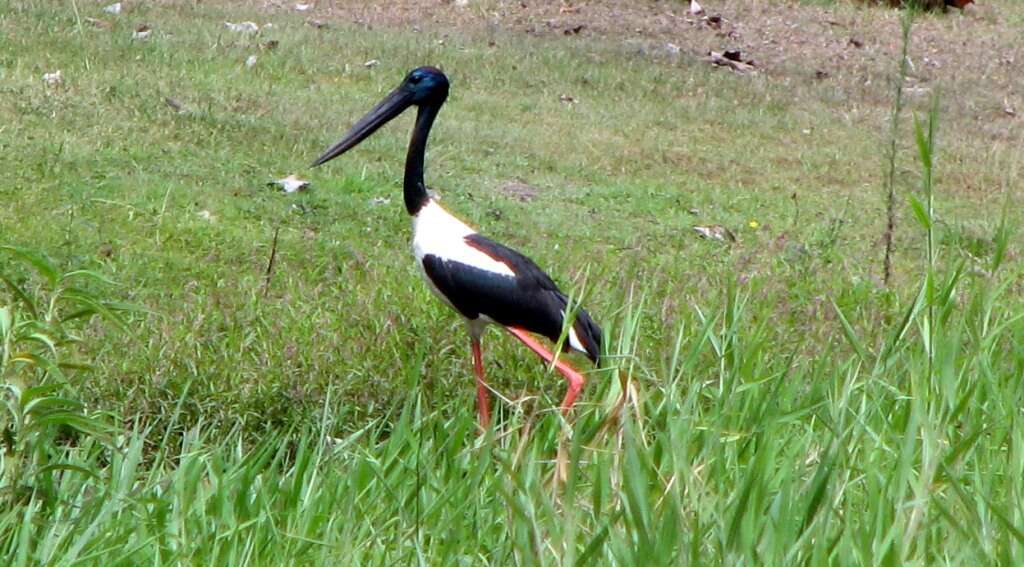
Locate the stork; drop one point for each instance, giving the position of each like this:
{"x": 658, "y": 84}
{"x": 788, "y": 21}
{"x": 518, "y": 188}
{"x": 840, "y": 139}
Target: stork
{"x": 484, "y": 281}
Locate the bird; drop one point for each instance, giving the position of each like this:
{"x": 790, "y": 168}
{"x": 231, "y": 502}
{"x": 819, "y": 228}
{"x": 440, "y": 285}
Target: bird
{"x": 484, "y": 281}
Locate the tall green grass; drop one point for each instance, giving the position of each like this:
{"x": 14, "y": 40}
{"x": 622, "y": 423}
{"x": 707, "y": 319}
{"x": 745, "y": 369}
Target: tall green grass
{"x": 895, "y": 445}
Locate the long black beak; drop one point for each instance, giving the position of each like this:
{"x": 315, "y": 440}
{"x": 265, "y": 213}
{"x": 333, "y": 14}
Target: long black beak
{"x": 387, "y": 109}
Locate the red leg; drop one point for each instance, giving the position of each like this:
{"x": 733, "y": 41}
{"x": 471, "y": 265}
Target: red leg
{"x": 575, "y": 379}
{"x": 483, "y": 404}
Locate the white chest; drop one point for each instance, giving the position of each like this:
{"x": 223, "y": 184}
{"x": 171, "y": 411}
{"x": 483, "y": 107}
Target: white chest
{"x": 438, "y": 233}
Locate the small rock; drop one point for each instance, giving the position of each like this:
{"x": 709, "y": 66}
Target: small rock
{"x": 243, "y": 27}
{"x": 53, "y": 79}
{"x": 142, "y": 31}
{"x": 174, "y": 104}
{"x": 290, "y": 184}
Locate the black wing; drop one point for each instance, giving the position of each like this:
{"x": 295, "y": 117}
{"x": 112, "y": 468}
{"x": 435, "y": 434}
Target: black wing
{"x": 529, "y": 300}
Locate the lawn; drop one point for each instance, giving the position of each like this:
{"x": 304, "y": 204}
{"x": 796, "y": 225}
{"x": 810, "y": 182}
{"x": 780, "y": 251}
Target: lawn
{"x": 785, "y": 403}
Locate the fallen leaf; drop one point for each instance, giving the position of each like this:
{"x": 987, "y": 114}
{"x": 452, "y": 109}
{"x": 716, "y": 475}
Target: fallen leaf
{"x": 575, "y": 30}
{"x": 270, "y": 45}
{"x": 715, "y": 232}
{"x": 1009, "y": 110}
{"x": 290, "y": 184}
{"x": 243, "y": 27}
{"x": 316, "y": 24}
{"x": 114, "y": 8}
{"x": 371, "y": 63}
{"x": 250, "y": 61}
{"x": 53, "y": 79}
{"x": 101, "y": 24}
{"x": 303, "y": 7}
{"x": 567, "y": 99}
{"x": 568, "y": 9}
{"x": 732, "y": 59}
{"x": 696, "y": 9}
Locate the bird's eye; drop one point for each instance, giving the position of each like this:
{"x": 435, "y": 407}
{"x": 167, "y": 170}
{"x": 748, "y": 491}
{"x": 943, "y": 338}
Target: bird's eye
{"x": 414, "y": 79}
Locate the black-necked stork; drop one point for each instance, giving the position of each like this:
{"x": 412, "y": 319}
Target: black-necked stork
{"x": 486, "y": 282}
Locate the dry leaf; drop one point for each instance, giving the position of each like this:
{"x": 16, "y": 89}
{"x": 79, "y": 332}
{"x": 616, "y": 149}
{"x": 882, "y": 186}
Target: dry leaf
{"x": 317, "y": 24}
{"x": 575, "y": 30}
{"x": 567, "y": 99}
{"x": 97, "y": 23}
{"x": 290, "y": 184}
{"x": 715, "y": 232}
{"x": 243, "y": 27}
{"x": 732, "y": 59}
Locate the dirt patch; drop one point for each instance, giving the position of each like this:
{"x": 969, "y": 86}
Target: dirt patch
{"x": 972, "y": 56}
{"x": 975, "y": 53}
{"x": 520, "y": 191}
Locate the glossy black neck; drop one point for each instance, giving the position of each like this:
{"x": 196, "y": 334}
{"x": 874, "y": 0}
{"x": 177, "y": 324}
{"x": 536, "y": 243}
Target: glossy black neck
{"x": 415, "y": 190}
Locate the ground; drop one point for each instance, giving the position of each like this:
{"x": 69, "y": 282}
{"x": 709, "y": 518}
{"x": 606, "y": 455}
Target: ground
{"x": 788, "y": 404}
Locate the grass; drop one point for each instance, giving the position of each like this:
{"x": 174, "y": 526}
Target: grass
{"x": 788, "y": 408}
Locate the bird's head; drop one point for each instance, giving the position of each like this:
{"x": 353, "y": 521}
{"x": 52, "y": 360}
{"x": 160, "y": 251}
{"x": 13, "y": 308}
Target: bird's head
{"x": 423, "y": 86}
